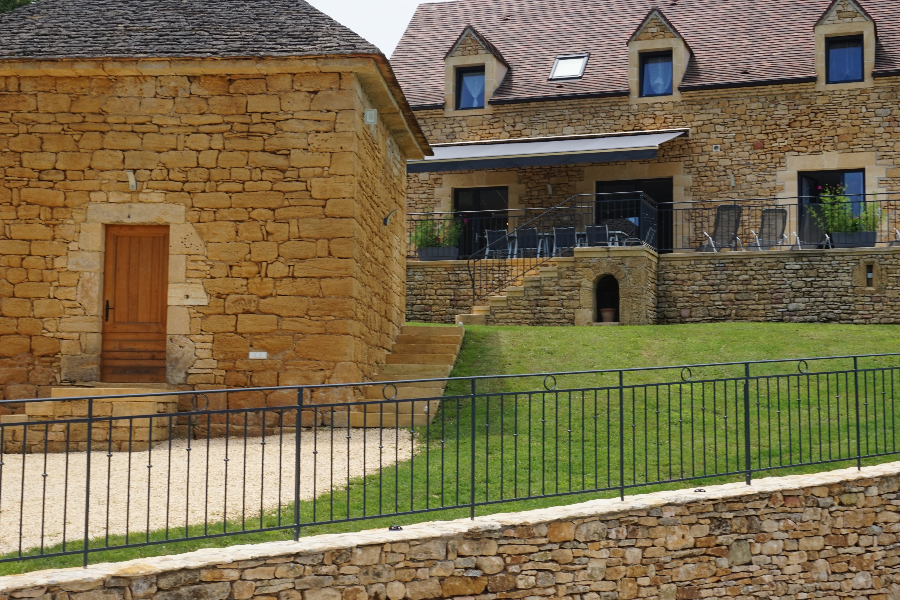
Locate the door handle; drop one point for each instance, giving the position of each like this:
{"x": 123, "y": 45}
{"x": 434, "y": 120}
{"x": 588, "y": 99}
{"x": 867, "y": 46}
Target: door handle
{"x": 108, "y": 308}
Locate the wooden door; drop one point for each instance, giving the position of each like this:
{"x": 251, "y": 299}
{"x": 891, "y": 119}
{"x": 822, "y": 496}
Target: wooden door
{"x": 134, "y": 304}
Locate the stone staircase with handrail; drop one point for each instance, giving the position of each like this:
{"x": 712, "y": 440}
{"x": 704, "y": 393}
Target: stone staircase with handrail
{"x": 480, "y": 314}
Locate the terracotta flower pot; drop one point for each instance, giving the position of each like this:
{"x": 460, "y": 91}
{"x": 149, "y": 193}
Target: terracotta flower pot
{"x": 608, "y": 315}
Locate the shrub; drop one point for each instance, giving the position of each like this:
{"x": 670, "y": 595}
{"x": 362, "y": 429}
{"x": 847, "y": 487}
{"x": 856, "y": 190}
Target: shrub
{"x": 8, "y": 5}
{"x": 436, "y": 233}
{"x": 836, "y": 215}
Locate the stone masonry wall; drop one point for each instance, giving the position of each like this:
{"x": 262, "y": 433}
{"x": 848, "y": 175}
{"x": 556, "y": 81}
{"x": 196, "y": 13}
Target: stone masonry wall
{"x": 759, "y": 130}
{"x": 274, "y": 191}
{"x": 795, "y": 286}
{"x": 828, "y": 535}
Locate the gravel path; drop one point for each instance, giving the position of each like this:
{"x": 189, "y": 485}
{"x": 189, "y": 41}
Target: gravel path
{"x": 194, "y": 481}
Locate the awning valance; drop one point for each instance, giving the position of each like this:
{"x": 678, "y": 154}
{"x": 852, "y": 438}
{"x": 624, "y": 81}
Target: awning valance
{"x": 543, "y": 152}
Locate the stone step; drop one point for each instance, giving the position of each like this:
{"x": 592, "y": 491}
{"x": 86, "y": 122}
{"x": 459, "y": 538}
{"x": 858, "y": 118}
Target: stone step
{"x": 431, "y": 331}
{"x": 372, "y": 420}
{"x": 471, "y": 319}
{"x": 450, "y": 343}
{"x": 481, "y": 310}
{"x": 377, "y": 392}
{"x": 420, "y": 359}
{"x": 418, "y": 348}
{"x": 407, "y": 371}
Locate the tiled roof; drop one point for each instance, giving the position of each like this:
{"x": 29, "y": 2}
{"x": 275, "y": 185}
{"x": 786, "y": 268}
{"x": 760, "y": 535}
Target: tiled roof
{"x": 51, "y": 29}
{"x": 734, "y": 42}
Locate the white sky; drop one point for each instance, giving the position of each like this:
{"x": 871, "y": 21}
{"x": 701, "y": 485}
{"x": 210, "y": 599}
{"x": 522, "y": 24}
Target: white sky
{"x": 382, "y": 22}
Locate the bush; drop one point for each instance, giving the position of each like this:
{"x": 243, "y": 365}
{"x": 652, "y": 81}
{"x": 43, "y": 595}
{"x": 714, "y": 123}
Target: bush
{"x": 836, "y": 215}
{"x": 436, "y": 233}
{"x": 8, "y": 5}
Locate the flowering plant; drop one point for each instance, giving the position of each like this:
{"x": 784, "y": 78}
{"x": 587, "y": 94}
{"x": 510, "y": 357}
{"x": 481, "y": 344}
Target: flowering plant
{"x": 436, "y": 233}
{"x": 837, "y": 212}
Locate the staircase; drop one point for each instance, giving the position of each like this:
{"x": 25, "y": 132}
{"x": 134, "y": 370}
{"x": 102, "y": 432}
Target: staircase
{"x": 420, "y": 352}
{"x": 480, "y": 314}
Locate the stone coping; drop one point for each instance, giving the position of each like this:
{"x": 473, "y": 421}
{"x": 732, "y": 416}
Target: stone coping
{"x": 77, "y": 579}
{"x": 787, "y": 254}
{"x": 592, "y": 252}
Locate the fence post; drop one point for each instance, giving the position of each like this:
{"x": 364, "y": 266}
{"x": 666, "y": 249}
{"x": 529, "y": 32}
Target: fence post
{"x": 87, "y": 481}
{"x": 622, "y": 434}
{"x": 856, "y": 386}
{"x": 472, "y": 457}
{"x": 747, "y": 462}
{"x": 297, "y": 426}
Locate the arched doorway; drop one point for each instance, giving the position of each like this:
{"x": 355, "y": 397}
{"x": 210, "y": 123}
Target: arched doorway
{"x": 608, "y": 299}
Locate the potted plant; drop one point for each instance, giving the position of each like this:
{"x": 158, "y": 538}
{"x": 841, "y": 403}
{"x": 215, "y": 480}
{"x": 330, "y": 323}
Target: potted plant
{"x": 437, "y": 239}
{"x": 848, "y": 230}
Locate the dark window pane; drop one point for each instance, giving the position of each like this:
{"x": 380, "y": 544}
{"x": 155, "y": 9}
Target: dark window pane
{"x": 845, "y": 60}
{"x": 470, "y": 89}
{"x": 656, "y": 75}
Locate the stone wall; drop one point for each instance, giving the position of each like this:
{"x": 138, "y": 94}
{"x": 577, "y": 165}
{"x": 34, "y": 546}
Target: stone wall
{"x": 783, "y": 285}
{"x": 794, "y": 286}
{"x": 766, "y": 135}
{"x": 274, "y": 191}
{"x": 830, "y": 535}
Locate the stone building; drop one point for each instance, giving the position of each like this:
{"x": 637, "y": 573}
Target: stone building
{"x": 207, "y": 194}
{"x": 674, "y": 109}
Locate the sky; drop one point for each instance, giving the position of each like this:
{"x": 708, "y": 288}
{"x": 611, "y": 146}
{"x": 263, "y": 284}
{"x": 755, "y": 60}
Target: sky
{"x": 382, "y": 22}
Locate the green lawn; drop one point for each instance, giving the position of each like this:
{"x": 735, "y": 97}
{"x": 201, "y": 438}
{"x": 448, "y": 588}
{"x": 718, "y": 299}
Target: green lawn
{"x": 529, "y": 440}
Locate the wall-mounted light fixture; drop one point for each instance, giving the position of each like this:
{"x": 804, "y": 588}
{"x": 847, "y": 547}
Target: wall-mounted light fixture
{"x": 371, "y": 116}
{"x": 387, "y": 219}
{"x": 132, "y": 182}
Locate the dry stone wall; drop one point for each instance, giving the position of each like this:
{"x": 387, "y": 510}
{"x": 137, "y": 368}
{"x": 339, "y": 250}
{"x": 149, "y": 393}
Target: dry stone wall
{"x": 828, "y": 535}
{"x": 274, "y": 191}
{"x": 793, "y": 286}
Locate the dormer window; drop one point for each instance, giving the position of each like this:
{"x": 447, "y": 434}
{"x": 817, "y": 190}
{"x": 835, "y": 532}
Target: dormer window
{"x": 845, "y": 59}
{"x": 569, "y": 67}
{"x": 656, "y": 74}
{"x": 470, "y": 88}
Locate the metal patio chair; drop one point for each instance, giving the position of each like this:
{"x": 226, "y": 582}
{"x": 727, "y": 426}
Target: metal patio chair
{"x": 528, "y": 241}
{"x": 725, "y": 228}
{"x": 771, "y": 229}
{"x": 498, "y": 243}
{"x": 564, "y": 239}
{"x": 596, "y": 235}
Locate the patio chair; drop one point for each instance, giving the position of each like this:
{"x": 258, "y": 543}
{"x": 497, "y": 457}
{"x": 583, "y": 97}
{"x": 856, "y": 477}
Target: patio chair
{"x": 498, "y": 243}
{"x": 896, "y": 240}
{"x": 771, "y": 229}
{"x": 812, "y": 233}
{"x": 728, "y": 220}
{"x": 621, "y": 230}
{"x": 528, "y": 241}
{"x": 596, "y": 235}
{"x": 564, "y": 239}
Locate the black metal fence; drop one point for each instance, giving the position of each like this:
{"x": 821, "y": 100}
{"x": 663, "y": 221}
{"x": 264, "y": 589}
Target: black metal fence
{"x": 214, "y": 470}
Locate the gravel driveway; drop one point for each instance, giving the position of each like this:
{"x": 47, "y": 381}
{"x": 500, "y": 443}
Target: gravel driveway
{"x": 194, "y": 481}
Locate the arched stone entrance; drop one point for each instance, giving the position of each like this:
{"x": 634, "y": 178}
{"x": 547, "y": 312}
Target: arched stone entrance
{"x": 607, "y": 299}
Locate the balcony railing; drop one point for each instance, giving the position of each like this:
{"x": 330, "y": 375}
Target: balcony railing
{"x": 799, "y": 223}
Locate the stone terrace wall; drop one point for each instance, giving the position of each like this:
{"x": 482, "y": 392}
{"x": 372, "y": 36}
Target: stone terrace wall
{"x": 830, "y": 535}
{"x": 794, "y": 286}
{"x": 274, "y": 191}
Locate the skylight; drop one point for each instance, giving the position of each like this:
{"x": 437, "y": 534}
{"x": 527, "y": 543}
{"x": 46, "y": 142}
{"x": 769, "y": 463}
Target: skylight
{"x": 569, "y": 67}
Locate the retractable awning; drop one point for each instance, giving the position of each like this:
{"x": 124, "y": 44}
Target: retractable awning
{"x": 543, "y": 152}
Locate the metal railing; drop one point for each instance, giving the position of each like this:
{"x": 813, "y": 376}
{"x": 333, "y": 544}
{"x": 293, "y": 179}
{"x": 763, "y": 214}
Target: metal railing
{"x": 214, "y": 470}
{"x": 748, "y": 224}
{"x": 534, "y": 240}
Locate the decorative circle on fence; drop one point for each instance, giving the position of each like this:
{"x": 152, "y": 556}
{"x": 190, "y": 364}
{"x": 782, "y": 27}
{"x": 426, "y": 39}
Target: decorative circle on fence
{"x": 384, "y": 391}
{"x": 194, "y": 404}
{"x": 803, "y": 366}
{"x": 689, "y": 374}
{"x": 549, "y": 388}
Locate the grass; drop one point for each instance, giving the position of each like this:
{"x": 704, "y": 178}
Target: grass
{"x": 530, "y": 441}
